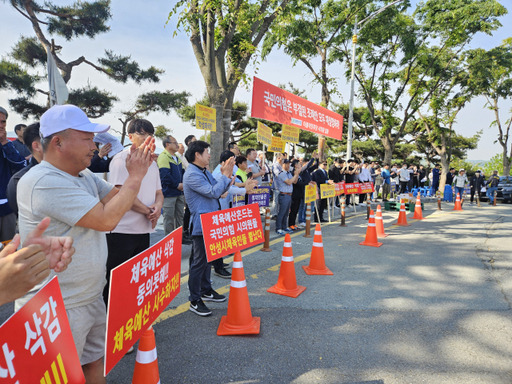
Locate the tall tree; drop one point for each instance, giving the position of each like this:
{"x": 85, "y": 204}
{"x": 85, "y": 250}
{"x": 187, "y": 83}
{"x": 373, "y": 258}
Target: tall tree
{"x": 491, "y": 76}
{"x": 50, "y": 21}
{"x": 309, "y": 35}
{"x": 225, "y": 35}
{"x": 395, "y": 45}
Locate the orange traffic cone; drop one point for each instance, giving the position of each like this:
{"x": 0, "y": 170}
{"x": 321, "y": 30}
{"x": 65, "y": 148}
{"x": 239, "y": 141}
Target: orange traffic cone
{"x": 458, "y": 206}
{"x": 379, "y": 223}
{"x": 402, "y": 216}
{"x": 371, "y": 233}
{"x": 239, "y": 320}
{"x": 317, "y": 260}
{"x": 287, "y": 282}
{"x": 146, "y": 363}
{"x": 418, "y": 213}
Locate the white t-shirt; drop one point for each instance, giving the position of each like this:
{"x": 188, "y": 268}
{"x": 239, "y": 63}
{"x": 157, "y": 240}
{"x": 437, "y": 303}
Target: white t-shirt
{"x": 48, "y": 191}
{"x": 135, "y": 222}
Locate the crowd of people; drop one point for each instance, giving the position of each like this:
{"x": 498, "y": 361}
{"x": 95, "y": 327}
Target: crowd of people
{"x": 52, "y": 188}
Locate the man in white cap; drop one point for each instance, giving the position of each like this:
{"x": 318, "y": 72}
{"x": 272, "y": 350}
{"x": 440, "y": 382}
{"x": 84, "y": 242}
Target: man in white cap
{"x": 83, "y": 206}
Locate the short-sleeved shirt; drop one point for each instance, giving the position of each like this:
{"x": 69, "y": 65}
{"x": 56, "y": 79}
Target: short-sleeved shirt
{"x": 386, "y": 175}
{"x": 254, "y": 168}
{"x": 47, "y": 191}
{"x": 281, "y": 185}
{"x": 135, "y": 222}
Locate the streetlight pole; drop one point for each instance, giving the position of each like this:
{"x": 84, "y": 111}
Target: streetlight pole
{"x": 352, "y": 80}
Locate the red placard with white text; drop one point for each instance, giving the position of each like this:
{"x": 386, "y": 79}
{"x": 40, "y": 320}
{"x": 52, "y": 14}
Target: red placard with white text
{"x": 36, "y": 344}
{"x": 353, "y": 188}
{"x": 140, "y": 289}
{"x": 231, "y": 230}
{"x": 275, "y": 104}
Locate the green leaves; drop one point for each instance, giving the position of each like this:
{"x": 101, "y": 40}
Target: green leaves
{"x": 121, "y": 68}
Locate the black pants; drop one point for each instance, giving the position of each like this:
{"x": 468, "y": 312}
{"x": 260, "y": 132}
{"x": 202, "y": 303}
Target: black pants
{"x": 321, "y": 209}
{"x": 403, "y": 186}
{"x": 186, "y": 220}
{"x": 122, "y": 247}
{"x": 294, "y": 210}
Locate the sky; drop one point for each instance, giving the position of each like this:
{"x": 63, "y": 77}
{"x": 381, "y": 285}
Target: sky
{"x": 140, "y": 29}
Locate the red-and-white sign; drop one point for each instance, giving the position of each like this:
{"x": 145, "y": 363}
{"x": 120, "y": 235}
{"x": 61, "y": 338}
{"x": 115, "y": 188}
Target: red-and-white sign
{"x": 36, "y": 344}
{"x": 140, "y": 289}
{"x": 231, "y": 230}
{"x": 275, "y": 104}
{"x": 353, "y": 188}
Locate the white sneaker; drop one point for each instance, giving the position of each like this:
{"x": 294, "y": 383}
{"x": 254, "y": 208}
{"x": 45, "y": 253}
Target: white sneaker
{"x": 301, "y": 225}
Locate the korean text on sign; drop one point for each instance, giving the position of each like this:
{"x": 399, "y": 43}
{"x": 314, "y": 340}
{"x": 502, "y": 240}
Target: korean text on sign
{"x": 36, "y": 342}
{"x": 327, "y": 190}
{"x": 206, "y": 118}
{"x": 231, "y": 230}
{"x": 277, "y": 145}
{"x": 275, "y": 104}
{"x": 140, "y": 289}
{"x": 264, "y": 134}
{"x": 290, "y": 134}
{"x": 310, "y": 193}
{"x": 260, "y": 195}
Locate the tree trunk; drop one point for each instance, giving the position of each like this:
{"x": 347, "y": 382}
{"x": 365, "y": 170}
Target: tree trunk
{"x": 506, "y": 163}
{"x": 388, "y": 150}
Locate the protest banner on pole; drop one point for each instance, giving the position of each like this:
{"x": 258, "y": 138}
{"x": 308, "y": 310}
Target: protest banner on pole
{"x": 290, "y": 134}
{"x": 339, "y": 188}
{"x": 264, "y": 134}
{"x": 238, "y": 200}
{"x": 140, "y": 289}
{"x": 260, "y": 195}
{"x": 206, "y": 118}
{"x": 231, "y": 230}
{"x": 36, "y": 342}
{"x": 277, "y": 145}
{"x": 356, "y": 188}
{"x": 327, "y": 190}
{"x": 275, "y": 104}
{"x": 310, "y": 193}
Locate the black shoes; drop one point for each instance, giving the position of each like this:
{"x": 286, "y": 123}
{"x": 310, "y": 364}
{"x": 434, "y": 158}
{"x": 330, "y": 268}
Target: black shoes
{"x": 222, "y": 273}
{"x": 198, "y": 307}
{"x": 213, "y": 296}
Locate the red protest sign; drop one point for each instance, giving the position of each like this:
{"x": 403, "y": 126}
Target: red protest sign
{"x": 354, "y": 188}
{"x": 275, "y": 104}
{"x": 231, "y": 230}
{"x": 36, "y": 342}
{"x": 140, "y": 289}
{"x": 339, "y": 188}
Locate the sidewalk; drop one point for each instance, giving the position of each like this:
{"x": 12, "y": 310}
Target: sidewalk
{"x": 432, "y": 305}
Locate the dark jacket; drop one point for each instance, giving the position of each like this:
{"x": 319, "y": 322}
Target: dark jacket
{"x": 13, "y": 184}
{"x": 334, "y": 174}
{"x": 477, "y": 183}
{"x": 320, "y": 176}
{"x": 493, "y": 181}
{"x": 171, "y": 174}
{"x": 99, "y": 164}
{"x": 10, "y": 162}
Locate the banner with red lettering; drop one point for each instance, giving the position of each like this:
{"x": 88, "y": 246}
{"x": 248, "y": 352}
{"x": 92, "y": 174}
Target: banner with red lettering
{"x": 140, "y": 289}
{"x": 353, "y": 188}
{"x": 231, "y": 230}
{"x": 36, "y": 344}
{"x": 275, "y": 104}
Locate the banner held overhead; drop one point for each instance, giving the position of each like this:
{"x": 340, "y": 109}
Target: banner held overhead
{"x": 275, "y": 104}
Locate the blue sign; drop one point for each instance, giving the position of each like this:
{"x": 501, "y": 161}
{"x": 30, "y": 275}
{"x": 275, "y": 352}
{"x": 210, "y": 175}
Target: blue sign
{"x": 261, "y": 196}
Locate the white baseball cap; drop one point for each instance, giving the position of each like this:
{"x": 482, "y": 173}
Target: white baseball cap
{"x": 61, "y": 117}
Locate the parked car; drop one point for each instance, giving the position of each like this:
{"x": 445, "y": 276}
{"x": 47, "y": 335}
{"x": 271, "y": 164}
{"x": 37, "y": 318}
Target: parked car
{"x": 504, "y": 191}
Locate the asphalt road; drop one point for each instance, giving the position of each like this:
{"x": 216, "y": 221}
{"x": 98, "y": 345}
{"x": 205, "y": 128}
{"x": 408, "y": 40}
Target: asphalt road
{"x": 432, "y": 305}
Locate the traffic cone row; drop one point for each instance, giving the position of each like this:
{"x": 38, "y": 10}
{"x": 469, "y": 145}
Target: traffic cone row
{"x": 371, "y": 233}
{"x": 379, "y": 223}
{"x": 317, "y": 260}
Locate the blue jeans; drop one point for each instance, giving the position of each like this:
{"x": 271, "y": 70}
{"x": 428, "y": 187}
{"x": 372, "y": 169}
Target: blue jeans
{"x": 285, "y": 201}
{"x": 490, "y": 193}
{"x": 302, "y": 212}
{"x": 460, "y": 191}
{"x": 199, "y": 270}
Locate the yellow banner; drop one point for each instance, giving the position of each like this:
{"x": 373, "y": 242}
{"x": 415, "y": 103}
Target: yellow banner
{"x": 264, "y": 134}
{"x": 290, "y": 134}
{"x": 206, "y": 118}
{"x": 277, "y": 145}
{"x": 327, "y": 190}
{"x": 310, "y": 194}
